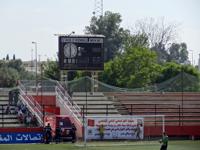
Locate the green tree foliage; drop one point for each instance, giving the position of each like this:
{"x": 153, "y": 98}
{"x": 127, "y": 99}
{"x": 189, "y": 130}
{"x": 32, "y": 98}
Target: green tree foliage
{"x": 11, "y": 71}
{"x": 177, "y": 78}
{"x": 183, "y": 53}
{"x": 109, "y": 26}
{"x": 51, "y": 70}
{"x": 178, "y": 53}
{"x": 14, "y": 57}
{"x": 16, "y": 64}
{"x": 111, "y": 72}
{"x": 7, "y": 57}
{"x": 8, "y": 77}
{"x": 137, "y": 67}
{"x": 171, "y": 69}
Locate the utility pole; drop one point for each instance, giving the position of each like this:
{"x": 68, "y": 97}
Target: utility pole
{"x": 199, "y": 62}
{"x": 32, "y": 60}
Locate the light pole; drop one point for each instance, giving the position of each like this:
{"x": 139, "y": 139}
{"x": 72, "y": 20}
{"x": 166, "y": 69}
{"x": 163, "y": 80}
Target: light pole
{"x": 192, "y": 57}
{"x": 35, "y": 43}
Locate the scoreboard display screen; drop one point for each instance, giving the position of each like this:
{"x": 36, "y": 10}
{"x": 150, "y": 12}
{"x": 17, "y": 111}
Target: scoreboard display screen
{"x": 84, "y": 52}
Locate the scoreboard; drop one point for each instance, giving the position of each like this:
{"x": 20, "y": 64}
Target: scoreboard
{"x": 81, "y": 52}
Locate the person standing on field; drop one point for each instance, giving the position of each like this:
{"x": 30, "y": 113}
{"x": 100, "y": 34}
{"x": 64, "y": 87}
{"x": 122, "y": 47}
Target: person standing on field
{"x": 101, "y": 132}
{"x": 164, "y": 141}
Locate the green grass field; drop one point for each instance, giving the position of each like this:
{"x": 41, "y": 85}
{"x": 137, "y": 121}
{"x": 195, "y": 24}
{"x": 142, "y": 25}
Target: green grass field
{"x": 173, "y": 145}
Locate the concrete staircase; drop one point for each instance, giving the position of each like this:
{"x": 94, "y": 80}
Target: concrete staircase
{"x": 7, "y": 120}
{"x": 94, "y": 104}
{"x": 119, "y": 106}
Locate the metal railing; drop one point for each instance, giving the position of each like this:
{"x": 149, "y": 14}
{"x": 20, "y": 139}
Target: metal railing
{"x": 65, "y": 100}
{"x": 33, "y": 105}
{"x": 174, "y": 113}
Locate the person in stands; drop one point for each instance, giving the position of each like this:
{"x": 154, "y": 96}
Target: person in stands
{"x": 47, "y": 134}
{"x": 28, "y": 120}
{"x": 8, "y": 109}
{"x": 34, "y": 120}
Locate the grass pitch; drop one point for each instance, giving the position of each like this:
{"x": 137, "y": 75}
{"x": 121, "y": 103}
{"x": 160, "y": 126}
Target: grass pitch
{"x": 173, "y": 145}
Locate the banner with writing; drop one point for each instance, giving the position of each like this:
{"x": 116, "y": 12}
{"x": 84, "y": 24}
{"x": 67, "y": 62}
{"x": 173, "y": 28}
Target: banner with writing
{"x": 115, "y": 128}
{"x": 6, "y": 138}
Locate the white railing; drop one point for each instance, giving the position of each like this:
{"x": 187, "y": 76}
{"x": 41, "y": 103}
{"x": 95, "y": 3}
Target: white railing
{"x": 65, "y": 100}
{"x": 66, "y": 95}
{"x": 33, "y": 106}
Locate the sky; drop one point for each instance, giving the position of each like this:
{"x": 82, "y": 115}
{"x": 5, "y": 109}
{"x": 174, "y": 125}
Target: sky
{"x": 24, "y": 21}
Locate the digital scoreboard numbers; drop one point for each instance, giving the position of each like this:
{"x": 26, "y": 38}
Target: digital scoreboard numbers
{"x": 81, "y": 52}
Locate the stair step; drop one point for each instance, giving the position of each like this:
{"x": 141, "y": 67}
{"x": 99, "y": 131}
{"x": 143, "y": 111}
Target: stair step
{"x": 98, "y": 107}
{"x": 90, "y": 98}
{"x": 4, "y": 98}
{"x": 82, "y": 94}
{"x": 94, "y": 102}
{"x": 9, "y": 121}
{"x": 100, "y": 113}
{"x": 13, "y": 116}
{"x": 12, "y": 125}
{"x": 3, "y": 102}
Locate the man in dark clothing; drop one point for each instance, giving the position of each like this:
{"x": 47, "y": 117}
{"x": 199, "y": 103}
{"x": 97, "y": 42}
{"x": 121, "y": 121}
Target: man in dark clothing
{"x": 58, "y": 134}
{"x": 73, "y": 133}
{"x": 47, "y": 134}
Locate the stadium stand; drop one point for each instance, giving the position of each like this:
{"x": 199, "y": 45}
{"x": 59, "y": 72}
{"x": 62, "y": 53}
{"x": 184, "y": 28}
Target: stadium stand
{"x": 181, "y": 108}
{"x": 94, "y": 103}
{"x": 8, "y": 114}
{"x": 178, "y": 108}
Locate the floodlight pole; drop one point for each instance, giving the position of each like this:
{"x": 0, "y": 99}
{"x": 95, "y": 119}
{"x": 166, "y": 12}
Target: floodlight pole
{"x": 36, "y": 86}
{"x": 192, "y": 57}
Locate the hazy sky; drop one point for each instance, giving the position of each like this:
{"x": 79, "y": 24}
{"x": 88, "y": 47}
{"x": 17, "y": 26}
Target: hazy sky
{"x": 24, "y": 21}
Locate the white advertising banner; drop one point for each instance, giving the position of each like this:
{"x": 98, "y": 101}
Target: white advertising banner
{"x": 115, "y": 128}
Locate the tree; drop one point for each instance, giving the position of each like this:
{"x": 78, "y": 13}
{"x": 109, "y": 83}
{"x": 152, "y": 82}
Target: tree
{"x": 7, "y": 57}
{"x": 109, "y": 26}
{"x": 11, "y": 71}
{"x": 174, "y": 52}
{"x": 159, "y": 34}
{"x": 51, "y": 70}
{"x": 171, "y": 69}
{"x": 135, "y": 68}
{"x": 183, "y": 53}
{"x": 138, "y": 40}
{"x": 178, "y": 53}
{"x": 140, "y": 67}
{"x": 16, "y": 64}
{"x": 111, "y": 72}
{"x": 14, "y": 57}
{"x": 8, "y": 77}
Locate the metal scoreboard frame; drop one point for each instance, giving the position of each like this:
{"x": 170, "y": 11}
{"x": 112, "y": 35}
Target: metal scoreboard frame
{"x": 81, "y": 52}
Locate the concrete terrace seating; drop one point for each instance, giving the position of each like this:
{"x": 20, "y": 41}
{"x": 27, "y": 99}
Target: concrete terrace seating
{"x": 97, "y": 103}
{"x": 7, "y": 120}
{"x": 178, "y": 108}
